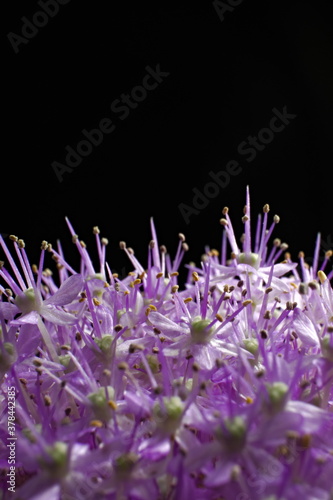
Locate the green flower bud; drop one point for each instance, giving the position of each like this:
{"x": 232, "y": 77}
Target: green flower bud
{"x": 199, "y": 332}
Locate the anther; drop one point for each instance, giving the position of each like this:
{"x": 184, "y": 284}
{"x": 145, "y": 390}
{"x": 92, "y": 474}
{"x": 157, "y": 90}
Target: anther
{"x": 268, "y": 289}
{"x": 223, "y": 222}
{"x": 263, "y": 334}
{"x": 122, "y": 245}
{"x": 247, "y": 302}
{"x": 266, "y": 208}
{"x": 181, "y": 237}
{"x": 276, "y": 219}
{"x": 13, "y": 237}
{"x": 96, "y": 230}
{"x": 47, "y": 400}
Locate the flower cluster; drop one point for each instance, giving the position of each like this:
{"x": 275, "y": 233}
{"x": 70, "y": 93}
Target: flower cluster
{"x": 139, "y": 388}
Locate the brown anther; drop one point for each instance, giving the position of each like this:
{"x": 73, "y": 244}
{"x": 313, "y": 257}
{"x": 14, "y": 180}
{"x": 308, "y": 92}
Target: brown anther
{"x": 38, "y": 363}
{"x": 23, "y": 381}
{"x": 155, "y": 350}
{"x": 226, "y": 288}
{"x": 195, "y": 367}
{"x": 268, "y": 315}
{"x": 78, "y": 336}
{"x": 68, "y": 411}
{"x": 263, "y": 334}
{"x": 66, "y": 347}
{"x": 244, "y": 292}
{"x": 289, "y": 306}
{"x": 123, "y": 366}
{"x": 47, "y": 400}
{"x": 157, "y": 331}
{"x": 219, "y": 317}
{"x": 1, "y": 263}
{"x": 117, "y": 328}
{"x": 135, "y": 347}
{"x": 75, "y": 238}
{"x": 245, "y": 218}
{"x": 245, "y": 209}
{"x": 247, "y": 302}
{"x": 159, "y": 275}
{"x": 175, "y": 273}
{"x": 240, "y": 283}
{"x": 268, "y": 289}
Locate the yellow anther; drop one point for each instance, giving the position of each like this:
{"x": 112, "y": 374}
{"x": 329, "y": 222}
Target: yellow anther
{"x": 174, "y": 289}
{"x": 112, "y": 404}
{"x": 188, "y": 299}
{"x": 175, "y": 273}
{"x": 195, "y": 276}
{"x": 219, "y": 317}
{"x": 159, "y": 275}
{"x": 96, "y": 301}
{"x": 249, "y": 400}
{"x": 322, "y": 276}
{"x": 96, "y": 423}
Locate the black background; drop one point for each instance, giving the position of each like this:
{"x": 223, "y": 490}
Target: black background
{"x": 225, "y": 78}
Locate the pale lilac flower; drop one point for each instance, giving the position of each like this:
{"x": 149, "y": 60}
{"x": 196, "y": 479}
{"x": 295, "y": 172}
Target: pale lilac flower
{"x": 140, "y": 388}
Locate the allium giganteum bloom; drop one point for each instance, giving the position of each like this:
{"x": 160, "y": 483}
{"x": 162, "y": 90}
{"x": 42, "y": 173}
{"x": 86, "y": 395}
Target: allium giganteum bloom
{"x": 137, "y": 389}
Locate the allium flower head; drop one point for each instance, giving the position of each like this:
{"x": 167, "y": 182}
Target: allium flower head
{"x": 142, "y": 388}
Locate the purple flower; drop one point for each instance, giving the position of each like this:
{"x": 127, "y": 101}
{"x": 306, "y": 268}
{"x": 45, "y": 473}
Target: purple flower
{"x": 139, "y": 388}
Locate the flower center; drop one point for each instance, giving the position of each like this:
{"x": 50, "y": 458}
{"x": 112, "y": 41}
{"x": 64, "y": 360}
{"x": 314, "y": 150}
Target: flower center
{"x": 27, "y": 302}
{"x": 199, "y": 332}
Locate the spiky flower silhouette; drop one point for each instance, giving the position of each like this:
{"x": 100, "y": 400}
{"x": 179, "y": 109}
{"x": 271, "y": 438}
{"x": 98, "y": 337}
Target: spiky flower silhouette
{"x": 136, "y": 388}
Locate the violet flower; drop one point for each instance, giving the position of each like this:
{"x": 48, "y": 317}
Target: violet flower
{"x": 137, "y": 388}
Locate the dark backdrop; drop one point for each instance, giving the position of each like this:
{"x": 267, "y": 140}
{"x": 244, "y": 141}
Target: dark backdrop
{"x": 224, "y": 72}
